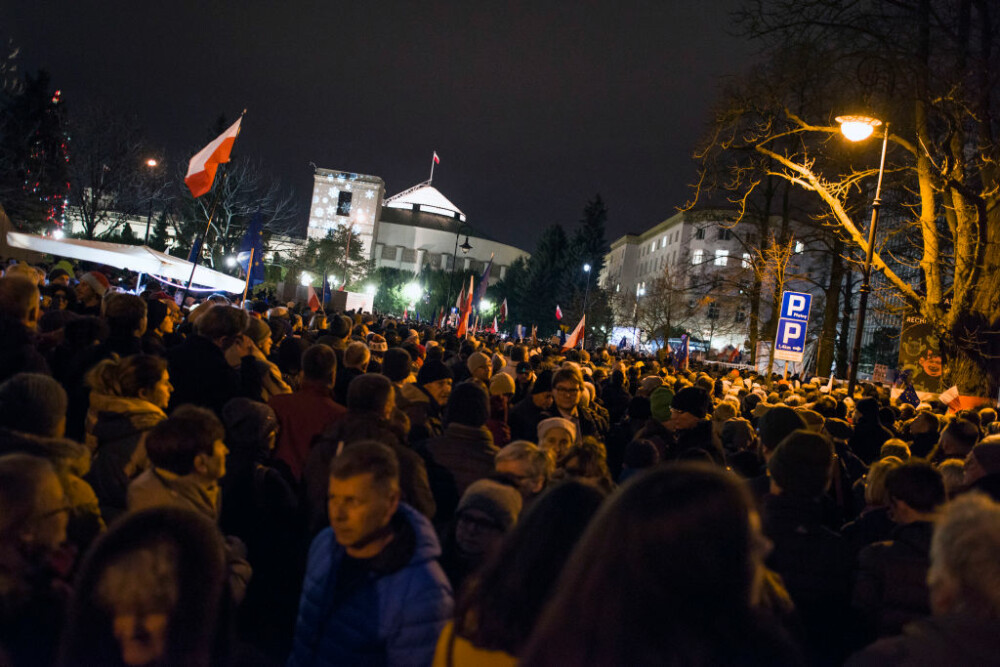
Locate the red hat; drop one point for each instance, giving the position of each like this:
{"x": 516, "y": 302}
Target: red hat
{"x": 97, "y": 281}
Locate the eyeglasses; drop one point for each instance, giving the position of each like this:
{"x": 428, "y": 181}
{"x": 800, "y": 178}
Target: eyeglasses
{"x": 568, "y": 390}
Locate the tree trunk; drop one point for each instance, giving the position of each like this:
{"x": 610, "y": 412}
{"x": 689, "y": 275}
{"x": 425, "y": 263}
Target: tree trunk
{"x": 843, "y": 340}
{"x": 828, "y": 334}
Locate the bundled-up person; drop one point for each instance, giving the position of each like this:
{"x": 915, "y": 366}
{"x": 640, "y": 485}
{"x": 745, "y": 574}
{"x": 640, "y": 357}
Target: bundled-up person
{"x": 261, "y": 378}
{"x": 523, "y": 418}
{"x": 462, "y": 454}
{"x": 694, "y": 437}
{"x": 19, "y": 313}
{"x": 567, "y": 387}
{"x": 528, "y": 465}
{"x": 501, "y": 391}
{"x": 874, "y": 523}
{"x": 869, "y": 432}
{"x": 982, "y": 467}
{"x": 373, "y": 592}
{"x": 426, "y": 399}
{"x": 128, "y": 397}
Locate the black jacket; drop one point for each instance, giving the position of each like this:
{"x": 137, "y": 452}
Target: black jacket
{"x": 201, "y": 375}
{"x": 523, "y": 420}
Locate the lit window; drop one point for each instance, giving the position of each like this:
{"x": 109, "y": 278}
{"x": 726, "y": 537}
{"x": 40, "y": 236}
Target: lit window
{"x": 721, "y": 257}
{"x": 697, "y": 256}
{"x": 799, "y": 247}
{"x": 746, "y": 260}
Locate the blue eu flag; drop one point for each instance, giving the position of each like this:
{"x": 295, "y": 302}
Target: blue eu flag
{"x": 253, "y": 240}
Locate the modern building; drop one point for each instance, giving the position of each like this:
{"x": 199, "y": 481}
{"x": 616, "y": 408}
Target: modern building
{"x": 345, "y": 198}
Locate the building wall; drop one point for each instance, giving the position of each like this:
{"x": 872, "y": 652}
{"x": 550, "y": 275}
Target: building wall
{"x": 330, "y": 209}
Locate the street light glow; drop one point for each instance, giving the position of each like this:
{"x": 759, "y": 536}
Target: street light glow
{"x": 370, "y": 288}
{"x": 485, "y": 305}
{"x": 230, "y": 261}
{"x": 306, "y": 279}
{"x": 58, "y": 234}
{"x": 641, "y": 291}
{"x": 586, "y": 268}
{"x": 412, "y": 291}
{"x": 857, "y": 128}
{"x": 151, "y": 162}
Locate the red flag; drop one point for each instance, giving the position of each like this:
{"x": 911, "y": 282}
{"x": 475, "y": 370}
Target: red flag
{"x": 313, "y": 300}
{"x": 461, "y": 298}
{"x": 574, "y": 338}
{"x": 558, "y": 312}
{"x": 437, "y": 160}
{"x": 495, "y": 327}
{"x": 463, "y": 317}
{"x": 406, "y": 310}
{"x": 503, "y": 312}
{"x": 202, "y": 167}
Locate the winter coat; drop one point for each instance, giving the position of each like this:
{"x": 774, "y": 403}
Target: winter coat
{"x": 116, "y": 426}
{"x": 523, "y": 419}
{"x": 616, "y": 400}
{"x": 423, "y": 412}
{"x": 18, "y": 350}
{"x": 394, "y": 617}
{"x": 949, "y": 639}
{"x": 344, "y": 377}
{"x": 891, "y": 586}
{"x": 456, "y": 459}
{"x": 261, "y": 380}
{"x": 201, "y": 375}
{"x": 303, "y": 415}
{"x": 874, "y": 525}
{"x": 868, "y": 438}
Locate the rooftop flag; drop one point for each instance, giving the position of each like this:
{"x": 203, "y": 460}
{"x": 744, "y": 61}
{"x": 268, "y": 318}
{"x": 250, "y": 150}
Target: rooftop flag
{"x": 437, "y": 160}
{"x": 202, "y": 167}
{"x": 558, "y": 312}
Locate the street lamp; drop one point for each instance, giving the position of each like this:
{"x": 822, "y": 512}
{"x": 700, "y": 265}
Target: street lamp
{"x": 465, "y": 251}
{"x": 859, "y": 128}
{"x": 151, "y": 164}
{"x": 412, "y": 292}
{"x": 306, "y": 279}
{"x": 586, "y": 296}
{"x": 639, "y": 291}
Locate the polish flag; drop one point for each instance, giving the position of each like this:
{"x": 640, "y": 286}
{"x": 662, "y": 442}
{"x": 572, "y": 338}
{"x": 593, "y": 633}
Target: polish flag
{"x": 437, "y": 160}
{"x": 406, "y": 311}
{"x": 461, "y": 298}
{"x": 574, "y": 338}
{"x": 202, "y": 167}
{"x": 503, "y": 312}
{"x": 463, "y": 317}
{"x": 495, "y": 327}
{"x": 558, "y": 312}
{"x": 314, "y": 304}
{"x": 950, "y": 397}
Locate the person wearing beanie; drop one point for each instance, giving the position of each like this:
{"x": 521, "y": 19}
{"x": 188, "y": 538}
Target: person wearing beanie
{"x": 33, "y": 403}
{"x": 693, "y": 434}
{"x": 464, "y": 452}
{"x": 502, "y": 385}
{"x": 502, "y": 388}
{"x": 92, "y": 288}
{"x": 480, "y": 367}
{"x": 424, "y": 401}
{"x": 815, "y": 563}
{"x": 340, "y": 330}
{"x": 524, "y": 417}
{"x": 556, "y": 435}
{"x": 869, "y": 432}
{"x": 648, "y": 385}
{"x": 159, "y": 323}
{"x": 487, "y": 511}
{"x": 659, "y": 404}
{"x": 378, "y": 347}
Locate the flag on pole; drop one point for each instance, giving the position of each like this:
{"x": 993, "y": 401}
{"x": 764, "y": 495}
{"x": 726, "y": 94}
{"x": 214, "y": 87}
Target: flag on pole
{"x": 558, "y": 312}
{"x": 437, "y": 160}
{"x": 195, "y": 250}
{"x": 406, "y": 311}
{"x": 495, "y": 327}
{"x": 251, "y": 254}
{"x": 576, "y": 337}
{"x": 313, "y": 300}
{"x": 950, "y": 397}
{"x": 484, "y": 281}
{"x": 463, "y": 316}
{"x": 460, "y": 301}
{"x": 503, "y": 312}
{"x": 204, "y": 164}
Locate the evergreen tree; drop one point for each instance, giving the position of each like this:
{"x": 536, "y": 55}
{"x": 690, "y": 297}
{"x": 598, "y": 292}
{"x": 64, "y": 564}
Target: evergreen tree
{"x": 339, "y": 255}
{"x": 160, "y": 237}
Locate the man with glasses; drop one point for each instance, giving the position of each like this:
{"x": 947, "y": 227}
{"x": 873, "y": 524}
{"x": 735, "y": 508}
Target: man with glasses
{"x": 567, "y": 384}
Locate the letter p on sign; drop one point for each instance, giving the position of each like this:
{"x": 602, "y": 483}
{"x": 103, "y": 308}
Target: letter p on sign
{"x": 792, "y": 333}
{"x": 796, "y": 305}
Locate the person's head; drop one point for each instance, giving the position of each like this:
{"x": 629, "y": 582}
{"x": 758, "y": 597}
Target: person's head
{"x": 587, "y": 461}
{"x": 487, "y": 510}
{"x": 964, "y": 574}
{"x": 737, "y": 435}
{"x": 189, "y": 442}
{"x": 221, "y": 324}
{"x": 260, "y": 333}
{"x": 397, "y": 364}
{"x": 915, "y": 490}
{"x": 251, "y": 428}
{"x": 19, "y": 300}
{"x": 151, "y": 591}
{"x": 499, "y": 606}
{"x": 541, "y": 390}
{"x": 34, "y": 512}
{"x": 924, "y": 422}
{"x": 480, "y": 366}
{"x": 92, "y": 288}
{"x": 953, "y": 473}
{"x": 371, "y": 394}
{"x": 688, "y": 407}
{"x": 319, "y": 365}
{"x": 567, "y": 383}
{"x": 875, "y": 493}
{"x": 775, "y": 426}
{"x": 527, "y": 463}
{"x": 556, "y": 435}
{"x": 363, "y": 495}
{"x": 983, "y": 460}
{"x": 59, "y": 276}
{"x": 436, "y": 379}
{"x": 468, "y": 404}
{"x": 140, "y": 376}
{"x": 659, "y": 404}
{"x": 958, "y": 438}
{"x": 502, "y": 384}
{"x": 801, "y": 465}
{"x": 160, "y": 317}
{"x": 357, "y": 356}
{"x": 125, "y": 314}
{"x": 33, "y": 403}
{"x": 686, "y": 533}
{"x": 895, "y": 447}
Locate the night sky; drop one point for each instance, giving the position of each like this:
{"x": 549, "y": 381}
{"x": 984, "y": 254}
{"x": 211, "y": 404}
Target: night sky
{"x": 533, "y": 107}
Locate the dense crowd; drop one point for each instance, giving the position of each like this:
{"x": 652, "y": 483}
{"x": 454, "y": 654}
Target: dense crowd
{"x": 262, "y": 484}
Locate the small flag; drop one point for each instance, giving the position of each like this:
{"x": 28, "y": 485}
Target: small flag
{"x": 406, "y": 311}
{"x": 829, "y": 385}
{"x": 575, "y": 337}
{"x": 503, "y": 312}
{"x": 909, "y": 395}
{"x": 252, "y": 244}
{"x": 313, "y": 300}
{"x": 195, "y": 250}
{"x": 437, "y": 160}
{"x": 950, "y": 397}
{"x": 204, "y": 164}
{"x": 463, "y": 317}
{"x": 495, "y": 327}
{"x": 461, "y": 298}
{"x": 558, "y": 312}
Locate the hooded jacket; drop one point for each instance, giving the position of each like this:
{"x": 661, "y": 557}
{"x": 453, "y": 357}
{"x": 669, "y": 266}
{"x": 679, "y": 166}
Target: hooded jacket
{"x": 394, "y": 617}
{"x": 456, "y": 459}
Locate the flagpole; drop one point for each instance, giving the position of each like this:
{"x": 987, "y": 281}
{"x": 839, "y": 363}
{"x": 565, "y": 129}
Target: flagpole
{"x": 249, "y": 274}
{"x": 204, "y": 236}
{"x": 432, "y": 169}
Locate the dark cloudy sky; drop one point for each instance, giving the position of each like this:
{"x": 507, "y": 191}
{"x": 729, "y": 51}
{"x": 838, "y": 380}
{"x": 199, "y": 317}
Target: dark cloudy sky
{"x": 533, "y": 106}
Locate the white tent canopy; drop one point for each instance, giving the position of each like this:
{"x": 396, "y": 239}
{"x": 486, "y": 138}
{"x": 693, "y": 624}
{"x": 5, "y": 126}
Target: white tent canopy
{"x": 140, "y": 259}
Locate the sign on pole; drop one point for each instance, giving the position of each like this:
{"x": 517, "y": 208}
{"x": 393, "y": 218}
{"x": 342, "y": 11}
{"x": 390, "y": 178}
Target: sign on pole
{"x": 790, "y": 341}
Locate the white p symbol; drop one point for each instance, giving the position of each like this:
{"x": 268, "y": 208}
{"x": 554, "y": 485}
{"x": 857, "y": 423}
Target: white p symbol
{"x": 792, "y": 332}
{"x": 796, "y": 305}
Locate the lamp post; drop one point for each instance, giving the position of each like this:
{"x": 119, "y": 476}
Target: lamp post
{"x": 639, "y": 291}
{"x": 586, "y": 296}
{"x": 859, "y": 128}
{"x": 454, "y": 260}
{"x": 151, "y": 164}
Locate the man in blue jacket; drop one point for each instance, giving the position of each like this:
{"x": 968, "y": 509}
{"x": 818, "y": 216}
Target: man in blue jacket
{"x": 373, "y": 592}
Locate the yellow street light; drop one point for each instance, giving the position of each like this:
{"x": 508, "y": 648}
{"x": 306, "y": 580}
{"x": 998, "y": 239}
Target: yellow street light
{"x": 857, "y": 128}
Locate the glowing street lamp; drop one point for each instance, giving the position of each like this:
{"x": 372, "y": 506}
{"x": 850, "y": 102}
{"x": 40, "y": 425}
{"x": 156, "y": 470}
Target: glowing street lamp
{"x": 151, "y": 162}
{"x": 370, "y": 289}
{"x": 485, "y": 305}
{"x": 306, "y": 279}
{"x": 230, "y": 261}
{"x": 859, "y": 128}
{"x": 413, "y": 292}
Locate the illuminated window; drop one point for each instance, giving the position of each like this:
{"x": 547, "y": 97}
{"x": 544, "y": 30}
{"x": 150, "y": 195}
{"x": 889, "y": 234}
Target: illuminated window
{"x": 697, "y": 256}
{"x": 746, "y": 260}
{"x": 344, "y": 203}
{"x": 799, "y": 247}
{"x": 721, "y": 257}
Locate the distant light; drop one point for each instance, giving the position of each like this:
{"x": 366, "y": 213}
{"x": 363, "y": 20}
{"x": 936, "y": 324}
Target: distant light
{"x": 370, "y": 289}
{"x": 306, "y": 279}
{"x": 58, "y": 234}
{"x": 230, "y": 261}
{"x": 641, "y": 291}
{"x": 586, "y": 268}
{"x": 485, "y": 304}
{"x": 151, "y": 162}
{"x": 413, "y": 291}
{"x": 331, "y": 280}
{"x": 857, "y": 128}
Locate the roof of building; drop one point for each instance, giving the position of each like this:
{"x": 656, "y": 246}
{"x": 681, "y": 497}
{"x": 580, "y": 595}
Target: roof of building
{"x": 428, "y": 220}
{"x": 427, "y": 198}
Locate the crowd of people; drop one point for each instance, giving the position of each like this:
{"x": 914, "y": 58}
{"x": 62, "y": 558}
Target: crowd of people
{"x": 261, "y": 484}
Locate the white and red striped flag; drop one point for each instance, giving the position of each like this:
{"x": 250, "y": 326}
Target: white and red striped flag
{"x": 313, "y": 300}
{"x": 202, "y": 167}
{"x": 495, "y": 327}
{"x": 574, "y": 338}
{"x": 558, "y": 312}
{"x": 950, "y": 397}
{"x": 466, "y": 310}
{"x": 503, "y": 312}
{"x": 437, "y": 160}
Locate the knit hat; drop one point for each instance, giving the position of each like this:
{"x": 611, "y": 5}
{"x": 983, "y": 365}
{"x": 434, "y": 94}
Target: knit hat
{"x": 477, "y": 360}
{"x": 543, "y": 383}
{"x": 432, "y": 371}
{"x": 724, "y": 411}
{"x": 247, "y": 422}
{"x": 801, "y": 464}
{"x": 501, "y": 384}
{"x": 659, "y": 403}
{"x": 648, "y": 385}
{"x": 838, "y": 429}
{"x": 468, "y": 405}
{"x": 377, "y": 344}
{"x": 32, "y": 403}
{"x": 500, "y": 502}
{"x": 776, "y": 424}
{"x": 547, "y": 425}
{"x": 97, "y": 281}
{"x": 396, "y": 364}
{"x": 340, "y": 326}
{"x": 987, "y": 454}
{"x": 258, "y": 331}
{"x": 156, "y": 312}
{"x": 693, "y": 400}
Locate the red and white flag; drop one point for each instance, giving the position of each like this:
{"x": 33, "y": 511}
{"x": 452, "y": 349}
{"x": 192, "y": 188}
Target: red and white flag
{"x": 406, "y": 311}
{"x": 202, "y": 167}
{"x": 437, "y": 160}
{"x": 574, "y": 338}
{"x": 495, "y": 327}
{"x": 503, "y": 312}
{"x": 461, "y": 298}
{"x": 466, "y": 310}
{"x": 950, "y": 397}
{"x": 313, "y": 300}
{"x": 558, "y": 312}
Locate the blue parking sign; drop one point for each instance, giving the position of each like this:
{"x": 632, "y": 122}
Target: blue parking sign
{"x": 795, "y": 305}
{"x": 790, "y": 340}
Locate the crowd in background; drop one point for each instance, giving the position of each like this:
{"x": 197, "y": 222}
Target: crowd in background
{"x": 263, "y": 484}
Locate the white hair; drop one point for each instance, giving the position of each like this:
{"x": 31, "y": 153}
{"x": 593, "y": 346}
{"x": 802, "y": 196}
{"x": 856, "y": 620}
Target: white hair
{"x": 966, "y": 550}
